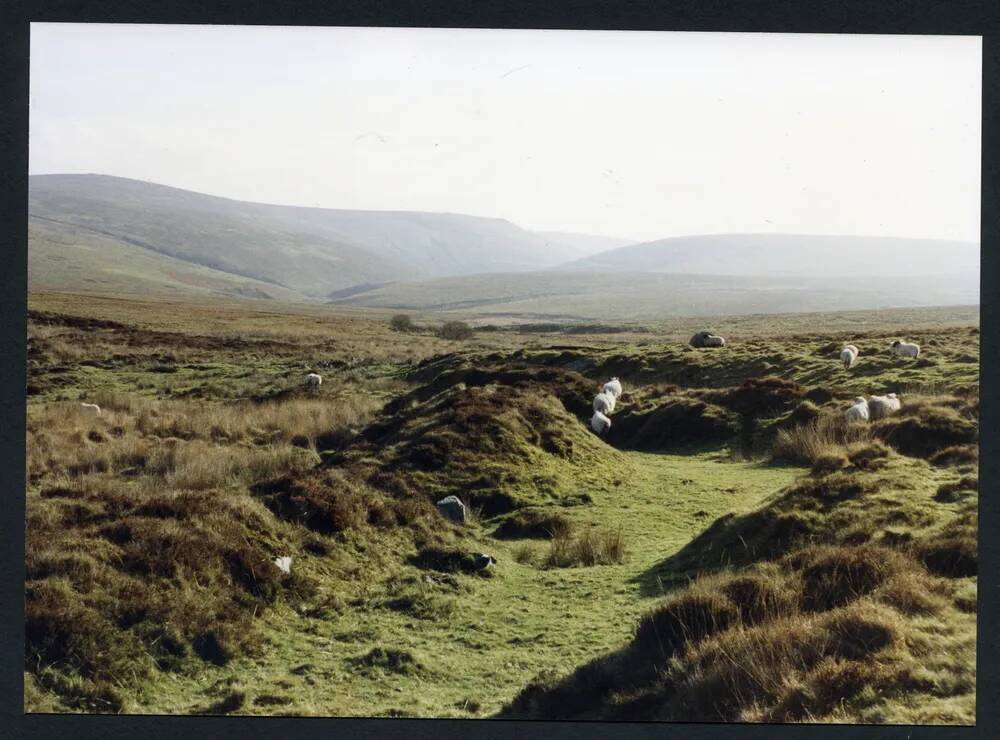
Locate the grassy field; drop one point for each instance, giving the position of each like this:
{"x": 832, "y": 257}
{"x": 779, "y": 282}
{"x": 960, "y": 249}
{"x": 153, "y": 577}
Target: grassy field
{"x": 732, "y": 551}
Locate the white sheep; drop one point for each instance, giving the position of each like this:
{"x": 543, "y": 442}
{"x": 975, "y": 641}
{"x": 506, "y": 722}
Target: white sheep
{"x": 905, "y": 349}
{"x": 600, "y": 423}
{"x": 91, "y": 407}
{"x": 858, "y": 411}
{"x": 314, "y": 380}
{"x": 713, "y": 340}
{"x": 284, "y": 563}
{"x": 613, "y": 387}
{"x": 883, "y": 406}
{"x": 849, "y": 355}
{"x": 604, "y": 403}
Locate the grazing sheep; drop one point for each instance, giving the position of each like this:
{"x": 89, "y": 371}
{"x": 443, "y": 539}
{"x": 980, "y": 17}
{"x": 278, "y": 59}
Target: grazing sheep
{"x": 858, "y": 411}
{"x": 604, "y": 402}
{"x": 91, "y": 407}
{"x": 284, "y": 563}
{"x": 883, "y": 406}
{"x": 905, "y": 349}
{"x": 848, "y": 355}
{"x": 600, "y": 423}
{"x": 613, "y": 387}
{"x": 314, "y": 380}
{"x": 707, "y": 339}
{"x": 483, "y": 561}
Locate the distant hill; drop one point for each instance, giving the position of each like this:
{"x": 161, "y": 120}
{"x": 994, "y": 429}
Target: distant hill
{"x": 62, "y": 257}
{"x": 648, "y": 296}
{"x": 111, "y": 234}
{"x": 308, "y": 251}
{"x": 585, "y": 244}
{"x": 788, "y": 255}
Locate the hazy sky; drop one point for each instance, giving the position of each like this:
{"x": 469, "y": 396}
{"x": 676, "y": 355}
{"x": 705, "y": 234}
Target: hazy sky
{"x": 639, "y": 135}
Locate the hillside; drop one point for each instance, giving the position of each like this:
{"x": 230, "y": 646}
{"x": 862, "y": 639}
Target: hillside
{"x": 73, "y": 258}
{"x": 312, "y": 251}
{"x": 594, "y": 295}
{"x": 585, "y": 244}
{"x": 789, "y": 255}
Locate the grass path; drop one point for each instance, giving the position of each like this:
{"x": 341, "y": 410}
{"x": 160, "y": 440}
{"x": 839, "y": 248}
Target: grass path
{"x": 486, "y": 638}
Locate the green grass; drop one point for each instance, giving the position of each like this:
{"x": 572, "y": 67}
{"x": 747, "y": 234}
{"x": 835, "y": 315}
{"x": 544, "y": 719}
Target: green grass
{"x": 226, "y": 453}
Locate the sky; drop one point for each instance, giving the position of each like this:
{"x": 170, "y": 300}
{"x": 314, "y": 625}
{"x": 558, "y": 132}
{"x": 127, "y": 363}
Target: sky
{"x": 639, "y": 135}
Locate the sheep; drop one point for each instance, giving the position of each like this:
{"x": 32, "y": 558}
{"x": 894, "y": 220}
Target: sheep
{"x": 314, "y": 380}
{"x": 849, "y": 355}
{"x": 284, "y": 563}
{"x": 613, "y": 387}
{"x": 91, "y": 407}
{"x": 905, "y": 349}
{"x": 858, "y": 411}
{"x": 883, "y": 406}
{"x": 600, "y": 423}
{"x": 707, "y": 339}
{"x": 604, "y": 403}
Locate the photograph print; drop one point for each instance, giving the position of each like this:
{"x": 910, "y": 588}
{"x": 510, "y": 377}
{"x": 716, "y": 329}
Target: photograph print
{"x": 502, "y": 374}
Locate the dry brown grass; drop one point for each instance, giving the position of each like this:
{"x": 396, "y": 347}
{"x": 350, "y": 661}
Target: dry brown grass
{"x": 596, "y": 546}
{"x": 824, "y": 437}
{"x": 824, "y": 634}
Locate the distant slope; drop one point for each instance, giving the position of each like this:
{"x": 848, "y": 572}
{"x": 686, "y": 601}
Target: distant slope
{"x": 312, "y": 251}
{"x": 224, "y": 235}
{"x": 621, "y": 296}
{"x": 585, "y": 244}
{"x": 70, "y": 258}
{"x": 789, "y": 255}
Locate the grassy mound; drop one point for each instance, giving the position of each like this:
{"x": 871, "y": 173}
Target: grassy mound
{"x": 119, "y": 586}
{"x": 534, "y": 524}
{"x": 497, "y": 447}
{"x": 832, "y": 633}
{"x": 672, "y": 422}
{"x": 858, "y": 504}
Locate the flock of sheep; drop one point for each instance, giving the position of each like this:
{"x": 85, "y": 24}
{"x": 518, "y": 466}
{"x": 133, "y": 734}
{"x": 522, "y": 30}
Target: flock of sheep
{"x": 862, "y": 409}
{"x": 877, "y": 407}
{"x": 604, "y": 404}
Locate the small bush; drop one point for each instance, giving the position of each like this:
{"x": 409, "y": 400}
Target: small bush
{"x": 401, "y": 322}
{"x": 456, "y": 330}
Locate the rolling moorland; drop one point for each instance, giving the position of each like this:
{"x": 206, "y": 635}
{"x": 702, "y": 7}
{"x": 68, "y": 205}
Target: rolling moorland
{"x": 102, "y": 234}
{"x": 731, "y": 551}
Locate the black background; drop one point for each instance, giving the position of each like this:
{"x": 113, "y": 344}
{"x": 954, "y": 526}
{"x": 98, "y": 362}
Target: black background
{"x": 979, "y": 18}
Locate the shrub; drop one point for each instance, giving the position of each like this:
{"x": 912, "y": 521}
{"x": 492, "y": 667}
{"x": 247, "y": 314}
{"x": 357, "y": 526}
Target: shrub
{"x": 401, "y": 322}
{"x": 455, "y": 330}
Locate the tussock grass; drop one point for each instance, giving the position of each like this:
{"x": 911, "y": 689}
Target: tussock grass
{"x": 596, "y": 546}
{"x": 817, "y": 636}
{"x": 823, "y": 437}
{"x": 849, "y": 596}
